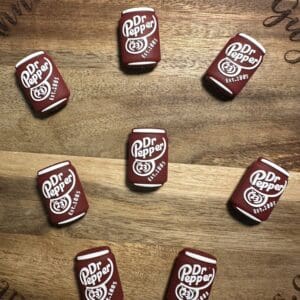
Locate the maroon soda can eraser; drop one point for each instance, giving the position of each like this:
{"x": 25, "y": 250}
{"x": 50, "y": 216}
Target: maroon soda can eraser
{"x": 62, "y": 192}
{"x": 147, "y": 165}
{"x": 139, "y": 37}
{"x": 235, "y": 64}
{"x": 97, "y": 275}
{"x": 192, "y": 276}
{"x": 259, "y": 189}
{"x": 42, "y": 84}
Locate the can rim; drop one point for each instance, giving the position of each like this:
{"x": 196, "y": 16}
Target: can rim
{"x": 221, "y": 85}
{"x": 148, "y": 130}
{"x": 72, "y": 219}
{"x": 53, "y": 167}
{"x": 200, "y": 257}
{"x": 30, "y": 56}
{"x": 92, "y": 255}
{"x": 151, "y": 185}
{"x": 141, "y": 63}
{"x": 254, "y": 41}
{"x": 273, "y": 165}
{"x": 54, "y": 104}
{"x": 248, "y": 215}
{"x": 137, "y": 9}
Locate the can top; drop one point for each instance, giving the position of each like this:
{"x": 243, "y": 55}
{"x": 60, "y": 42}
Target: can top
{"x": 137, "y": 9}
{"x": 273, "y": 165}
{"x": 93, "y": 253}
{"x": 35, "y": 54}
{"x": 199, "y": 255}
{"x": 53, "y": 167}
{"x": 148, "y": 130}
{"x": 254, "y": 41}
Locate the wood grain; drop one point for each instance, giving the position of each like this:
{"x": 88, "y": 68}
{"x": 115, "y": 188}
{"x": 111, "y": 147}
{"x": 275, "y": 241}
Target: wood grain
{"x": 106, "y": 103}
{"x": 145, "y": 231}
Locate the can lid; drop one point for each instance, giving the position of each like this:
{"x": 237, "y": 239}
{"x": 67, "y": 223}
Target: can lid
{"x": 93, "y": 253}
{"x": 200, "y": 257}
{"x": 248, "y": 215}
{"x": 273, "y": 165}
{"x": 54, "y": 104}
{"x": 221, "y": 85}
{"x": 137, "y": 9}
{"x": 22, "y": 61}
{"x": 254, "y": 41}
{"x": 54, "y": 167}
{"x": 148, "y": 130}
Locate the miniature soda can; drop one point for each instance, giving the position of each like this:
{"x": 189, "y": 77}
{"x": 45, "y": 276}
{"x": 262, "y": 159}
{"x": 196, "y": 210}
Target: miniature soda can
{"x": 147, "y": 157}
{"x": 192, "y": 276}
{"x": 97, "y": 275}
{"x": 260, "y": 189}
{"x": 235, "y": 64}
{"x": 62, "y": 193}
{"x": 139, "y": 37}
{"x": 43, "y": 86}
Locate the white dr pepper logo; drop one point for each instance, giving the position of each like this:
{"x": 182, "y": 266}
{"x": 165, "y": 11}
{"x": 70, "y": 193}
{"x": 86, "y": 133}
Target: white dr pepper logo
{"x": 137, "y": 30}
{"x": 264, "y": 185}
{"x": 95, "y": 278}
{"x": 35, "y": 77}
{"x": 239, "y": 57}
{"x": 146, "y": 152}
{"x": 57, "y": 189}
{"x": 194, "y": 279}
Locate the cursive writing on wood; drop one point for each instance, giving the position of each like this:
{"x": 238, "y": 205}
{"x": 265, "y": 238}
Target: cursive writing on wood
{"x": 9, "y": 293}
{"x": 284, "y": 14}
{"x": 10, "y": 18}
{"x": 296, "y": 284}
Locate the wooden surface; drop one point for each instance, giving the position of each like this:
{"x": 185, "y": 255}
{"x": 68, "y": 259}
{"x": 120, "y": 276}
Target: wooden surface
{"x": 216, "y": 140}
{"x": 106, "y": 103}
{"x": 145, "y": 231}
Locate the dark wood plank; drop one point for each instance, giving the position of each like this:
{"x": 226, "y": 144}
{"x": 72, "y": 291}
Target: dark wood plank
{"x": 106, "y": 103}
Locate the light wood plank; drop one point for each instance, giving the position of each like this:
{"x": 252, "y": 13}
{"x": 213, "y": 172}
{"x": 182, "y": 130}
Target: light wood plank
{"x": 145, "y": 231}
